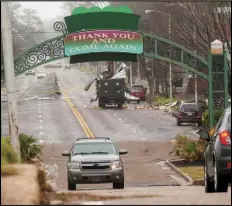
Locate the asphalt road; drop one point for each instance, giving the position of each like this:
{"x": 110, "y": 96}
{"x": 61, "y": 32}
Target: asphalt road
{"x": 119, "y": 125}
{"x": 143, "y": 132}
{"x": 191, "y": 195}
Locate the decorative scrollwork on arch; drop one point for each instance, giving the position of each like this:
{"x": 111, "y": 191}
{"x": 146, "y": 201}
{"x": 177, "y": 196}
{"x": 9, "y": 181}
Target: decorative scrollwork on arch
{"x": 145, "y": 24}
{"x": 60, "y": 26}
{"x": 148, "y": 45}
{"x": 58, "y": 48}
{"x": 47, "y": 51}
{"x": 218, "y": 100}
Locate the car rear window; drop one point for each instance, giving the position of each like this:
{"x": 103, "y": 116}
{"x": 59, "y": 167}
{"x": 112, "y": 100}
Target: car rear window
{"x": 136, "y": 89}
{"x": 189, "y": 107}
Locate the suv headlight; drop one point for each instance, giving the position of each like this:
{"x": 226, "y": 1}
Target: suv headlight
{"x": 74, "y": 165}
{"x": 116, "y": 164}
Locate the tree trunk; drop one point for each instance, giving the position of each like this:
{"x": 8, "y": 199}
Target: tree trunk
{"x": 162, "y": 82}
{"x": 156, "y": 78}
{"x": 148, "y": 75}
{"x": 166, "y": 82}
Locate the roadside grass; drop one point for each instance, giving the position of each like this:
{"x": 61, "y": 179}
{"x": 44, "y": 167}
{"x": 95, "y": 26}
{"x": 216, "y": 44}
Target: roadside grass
{"x": 195, "y": 172}
{"x": 162, "y": 100}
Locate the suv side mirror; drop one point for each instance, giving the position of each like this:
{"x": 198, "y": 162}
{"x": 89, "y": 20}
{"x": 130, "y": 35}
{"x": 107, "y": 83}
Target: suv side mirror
{"x": 123, "y": 151}
{"x": 66, "y": 153}
{"x": 204, "y": 136}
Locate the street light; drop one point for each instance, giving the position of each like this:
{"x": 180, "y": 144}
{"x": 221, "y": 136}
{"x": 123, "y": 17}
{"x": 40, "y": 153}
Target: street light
{"x": 195, "y": 46}
{"x": 169, "y": 36}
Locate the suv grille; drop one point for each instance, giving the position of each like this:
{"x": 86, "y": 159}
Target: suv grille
{"x": 95, "y": 165}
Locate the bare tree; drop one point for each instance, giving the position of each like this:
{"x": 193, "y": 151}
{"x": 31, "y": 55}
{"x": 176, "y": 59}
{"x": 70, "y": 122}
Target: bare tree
{"x": 27, "y": 27}
{"x": 203, "y": 22}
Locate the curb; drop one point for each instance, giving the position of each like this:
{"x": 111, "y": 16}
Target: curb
{"x": 148, "y": 107}
{"x": 178, "y": 171}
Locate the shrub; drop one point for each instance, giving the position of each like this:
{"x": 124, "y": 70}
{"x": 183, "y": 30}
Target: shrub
{"x": 8, "y": 155}
{"x": 188, "y": 149}
{"x": 28, "y": 147}
{"x": 205, "y": 116}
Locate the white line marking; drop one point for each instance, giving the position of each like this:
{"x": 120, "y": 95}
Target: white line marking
{"x": 41, "y": 133}
{"x": 41, "y": 141}
{"x": 119, "y": 119}
{"x": 40, "y": 116}
{"x": 143, "y": 138}
{"x": 115, "y": 115}
{"x": 40, "y": 112}
{"x": 109, "y": 110}
{"x": 134, "y": 130}
{"x": 127, "y": 125}
{"x": 40, "y": 126}
{"x": 40, "y": 120}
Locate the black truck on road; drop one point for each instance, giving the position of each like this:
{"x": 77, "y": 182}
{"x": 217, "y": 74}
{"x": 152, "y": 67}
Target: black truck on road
{"x": 111, "y": 91}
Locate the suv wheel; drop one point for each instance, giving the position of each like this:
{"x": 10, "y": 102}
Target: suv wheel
{"x": 71, "y": 186}
{"x": 118, "y": 185}
{"x": 209, "y": 185}
{"x": 220, "y": 182}
{"x": 120, "y": 106}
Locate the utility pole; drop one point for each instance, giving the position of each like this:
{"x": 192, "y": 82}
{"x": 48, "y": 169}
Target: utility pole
{"x": 114, "y": 67}
{"x": 170, "y": 65}
{"x": 98, "y": 67}
{"x": 131, "y": 77}
{"x": 101, "y": 66}
{"x": 10, "y": 76}
{"x": 152, "y": 69}
{"x": 195, "y": 51}
{"x": 138, "y": 70}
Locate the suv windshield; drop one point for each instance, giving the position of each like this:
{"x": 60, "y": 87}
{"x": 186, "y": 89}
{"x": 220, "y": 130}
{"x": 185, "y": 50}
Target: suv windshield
{"x": 189, "y": 107}
{"x": 94, "y": 148}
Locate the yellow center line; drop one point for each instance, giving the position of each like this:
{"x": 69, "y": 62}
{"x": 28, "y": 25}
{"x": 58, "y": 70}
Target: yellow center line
{"x": 77, "y": 114}
{"x": 80, "y": 118}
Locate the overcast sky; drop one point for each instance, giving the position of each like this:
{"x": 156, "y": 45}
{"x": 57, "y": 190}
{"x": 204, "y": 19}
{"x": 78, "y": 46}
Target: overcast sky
{"x": 50, "y": 9}
{"x": 46, "y": 10}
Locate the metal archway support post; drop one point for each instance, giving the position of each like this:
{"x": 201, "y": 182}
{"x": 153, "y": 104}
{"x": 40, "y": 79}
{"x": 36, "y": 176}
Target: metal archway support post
{"x": 210, "y": 94}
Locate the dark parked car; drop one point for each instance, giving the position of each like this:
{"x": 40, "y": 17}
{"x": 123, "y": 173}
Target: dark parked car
{"x": 139, "y": 91}
{"x": 189, "y": 113}
{"x": 218, "y": 155}
{"x": 95, "y": 161}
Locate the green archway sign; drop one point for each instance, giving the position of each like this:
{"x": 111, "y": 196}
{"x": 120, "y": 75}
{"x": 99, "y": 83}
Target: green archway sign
{"x": 113, "y": 34}
{"x": 109, "y": 34}
{"x": 99, "y": 41}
